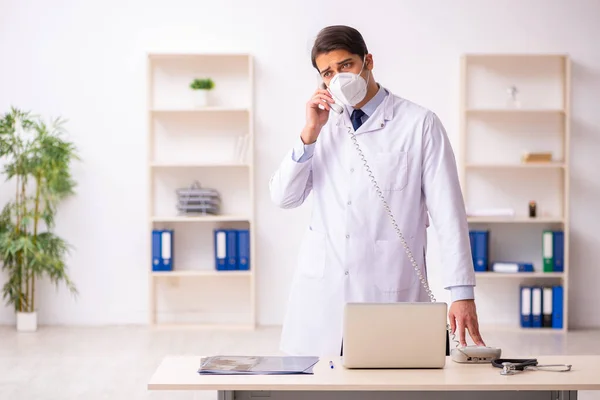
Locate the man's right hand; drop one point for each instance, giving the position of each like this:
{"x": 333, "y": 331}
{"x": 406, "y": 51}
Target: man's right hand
{"x": 316, "y": 118}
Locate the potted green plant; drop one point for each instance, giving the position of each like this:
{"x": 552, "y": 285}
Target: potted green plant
{"x": 37, "y": 161}
{"x": 201, "y": 88}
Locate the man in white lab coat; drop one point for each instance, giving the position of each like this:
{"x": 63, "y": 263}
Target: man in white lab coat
{"x": 350, "y": 250}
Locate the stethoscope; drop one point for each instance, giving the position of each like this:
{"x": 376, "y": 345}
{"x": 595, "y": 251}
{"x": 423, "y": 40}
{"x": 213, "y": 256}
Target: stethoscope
{"x": 511, "y": 366}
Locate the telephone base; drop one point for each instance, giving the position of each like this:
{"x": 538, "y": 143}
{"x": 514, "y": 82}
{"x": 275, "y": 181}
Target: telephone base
{"x": 475, "y": 354}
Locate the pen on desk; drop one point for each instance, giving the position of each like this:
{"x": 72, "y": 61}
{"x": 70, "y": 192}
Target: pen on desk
{"x": 330, "y": 364}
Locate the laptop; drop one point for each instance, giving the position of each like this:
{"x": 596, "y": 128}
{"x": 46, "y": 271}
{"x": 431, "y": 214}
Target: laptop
{"x": 394, "y": 335}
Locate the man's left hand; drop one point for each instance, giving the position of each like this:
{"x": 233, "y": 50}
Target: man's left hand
{"x": 463, "y": 315}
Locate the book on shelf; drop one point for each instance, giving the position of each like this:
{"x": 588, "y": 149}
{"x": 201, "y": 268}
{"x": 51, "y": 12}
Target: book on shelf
{"x": 529, "y": 157}
{"x": 553, "y": 250}
{"x": 162, "y": 250}
{"x": 480, "y": 243}
{"x": 541, "y": 306}
{"x": 512, "y": 267}
{"x": 552, "y": 254}
{"x": 232, "y": 249}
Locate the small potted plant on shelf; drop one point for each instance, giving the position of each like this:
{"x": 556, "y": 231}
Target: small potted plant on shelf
{"x": 201, "y": 88}
{"x": 37, "y": 161}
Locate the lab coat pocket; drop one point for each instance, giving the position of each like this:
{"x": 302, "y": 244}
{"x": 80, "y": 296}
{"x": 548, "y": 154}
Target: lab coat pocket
{"x": 313, "y": 250}
{"x": 393, "y": 270}
{"x": 391, "y": 170}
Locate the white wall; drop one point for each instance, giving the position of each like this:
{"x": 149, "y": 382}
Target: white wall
{"x": 86, "y": 61}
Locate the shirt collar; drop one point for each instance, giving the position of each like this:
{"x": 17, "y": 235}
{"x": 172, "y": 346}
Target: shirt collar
{"x": 372, "y": 104}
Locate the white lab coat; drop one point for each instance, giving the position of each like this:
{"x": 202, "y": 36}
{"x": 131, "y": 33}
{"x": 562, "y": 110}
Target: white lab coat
{"x": 350, "y": 251}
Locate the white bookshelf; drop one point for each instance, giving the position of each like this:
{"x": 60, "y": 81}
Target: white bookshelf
{"x": 494, "y": 133}
{"x": 190, "y": 144}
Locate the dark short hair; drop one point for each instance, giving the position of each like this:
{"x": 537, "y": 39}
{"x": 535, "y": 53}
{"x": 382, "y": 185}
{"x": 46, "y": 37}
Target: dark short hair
{"x": 338, "y": 37}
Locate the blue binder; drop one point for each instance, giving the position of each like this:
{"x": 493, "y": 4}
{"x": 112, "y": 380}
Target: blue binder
{"x": 512, "y": 266}
{"x": 162, "y": 250}
{"x": 225, "y": 245}
{"x": 472, "y": 242}
{"x": 558, "y": 244}
{"x": 557, "y": 307}
{"x": 220, "y": 245}
{"x": 243, "y": 249}
{"x": 536, "y": 307}
{"x": 156, "y": 258}
{"x": 525, "y": 304}
{"x": 480, "y": 249}
{"x": 547, "y": 307}
{"x": 231, "y": 250}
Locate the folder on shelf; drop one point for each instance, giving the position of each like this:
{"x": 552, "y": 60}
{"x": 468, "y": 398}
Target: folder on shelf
{"x": 156, "y": 259}
{"x": 512, "y": 267}
{"x": 480, "y": 249}
{"x": 547, "y": 250}
{"x": 225, "y": 245}
{"x": 257, "y": 365}
{"x": 547, "y": 307}
{"x": 162, "y": 250}
{"x": 553, "y": 250}
{"x": 558, "y": 245}
{"x": 541, "y": 306}
{"x": 536, "y": 307}
{"x": 557, "y": 307}
{"x": 243, "y": 249}
{"x": 536, "y": 157}
{"x": 526, "y": 321}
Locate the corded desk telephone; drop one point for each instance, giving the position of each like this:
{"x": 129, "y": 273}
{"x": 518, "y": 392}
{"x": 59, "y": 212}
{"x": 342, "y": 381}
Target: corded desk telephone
{"x": 467, "y": 354}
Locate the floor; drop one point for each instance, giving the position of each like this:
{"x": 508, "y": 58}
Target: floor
{"x": 116, "y": 362}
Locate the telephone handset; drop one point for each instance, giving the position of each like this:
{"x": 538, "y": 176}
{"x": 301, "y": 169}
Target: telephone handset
{"x": 334, "y": 106}
{"x": 468, "y": 354}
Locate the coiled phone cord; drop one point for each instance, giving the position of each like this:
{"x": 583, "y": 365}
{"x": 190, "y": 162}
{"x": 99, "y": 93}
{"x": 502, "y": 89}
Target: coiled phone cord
{"x": 397, "y": 229}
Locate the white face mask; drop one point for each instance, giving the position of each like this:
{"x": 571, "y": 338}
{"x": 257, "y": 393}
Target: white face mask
{"x": 349, "y": 88}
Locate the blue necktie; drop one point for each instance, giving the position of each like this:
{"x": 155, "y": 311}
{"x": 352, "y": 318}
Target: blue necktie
{"x": 356, "y": 118}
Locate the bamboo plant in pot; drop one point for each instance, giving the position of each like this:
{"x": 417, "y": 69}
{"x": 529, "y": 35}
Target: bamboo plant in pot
{"x": 37, "y": 161}
{"x": 201, "y": 87}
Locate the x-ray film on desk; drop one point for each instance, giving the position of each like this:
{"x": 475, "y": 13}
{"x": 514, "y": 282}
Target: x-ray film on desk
{"x": 256, "y": 365}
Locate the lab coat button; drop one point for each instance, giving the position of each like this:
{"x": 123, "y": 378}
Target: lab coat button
{"x": 349, "y": 202}
{"x": 346, "y": 273}
{"x": 347, "y": 236}
{"x": 351, "y": 169}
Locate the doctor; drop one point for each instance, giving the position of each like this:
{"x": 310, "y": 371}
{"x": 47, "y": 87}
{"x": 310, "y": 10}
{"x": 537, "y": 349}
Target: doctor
{"x": 350, "y": 251}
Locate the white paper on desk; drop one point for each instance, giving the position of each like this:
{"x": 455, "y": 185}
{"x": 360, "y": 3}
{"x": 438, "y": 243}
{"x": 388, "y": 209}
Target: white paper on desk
{"x": 257, "y": 365}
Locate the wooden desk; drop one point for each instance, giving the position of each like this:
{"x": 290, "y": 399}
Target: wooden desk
{"x": 455, "y": 381}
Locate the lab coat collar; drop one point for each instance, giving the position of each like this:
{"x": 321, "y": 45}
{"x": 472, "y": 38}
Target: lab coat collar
{"x": 372, "y": 105}
{"x": 383, "y": 113}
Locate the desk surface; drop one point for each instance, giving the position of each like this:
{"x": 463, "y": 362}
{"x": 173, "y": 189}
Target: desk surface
{"x": 180, "y": 373}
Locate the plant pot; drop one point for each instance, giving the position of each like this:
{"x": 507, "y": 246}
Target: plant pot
{"x": 200, "y": 97}
{"x": 27, "y": 321}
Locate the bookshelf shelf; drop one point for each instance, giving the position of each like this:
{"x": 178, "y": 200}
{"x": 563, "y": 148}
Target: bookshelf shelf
{"x": 203, "y": 218}
{"x": 518, "y": 275}
{"x": 549, "y": 165}
{"x": 515, "y": 220}
{"x": 512, "y": 104}
{"x": 210, "y": 145}
{"x": 205, "y": 327}
{"x": 516, "y": 111}
{"x": 200, "y": 165}
{"x": 515, "y": 329}
{"x": 200, "y": 110}
{"x": 194, "y": 57}
{"x": 200, "y": 274}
